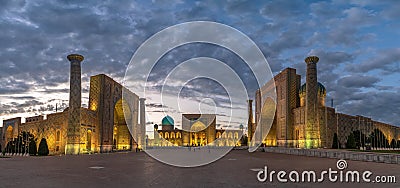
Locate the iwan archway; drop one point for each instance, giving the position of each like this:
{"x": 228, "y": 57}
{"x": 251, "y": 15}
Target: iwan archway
{"x": 122, "y": 139}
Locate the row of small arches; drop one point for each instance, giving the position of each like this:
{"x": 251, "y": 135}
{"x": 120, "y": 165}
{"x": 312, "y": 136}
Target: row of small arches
{"x": 234, "y": 135}
{"x": 172, "y": 135}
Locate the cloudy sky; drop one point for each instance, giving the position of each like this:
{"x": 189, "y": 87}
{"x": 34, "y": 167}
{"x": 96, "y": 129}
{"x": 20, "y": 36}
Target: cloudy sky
{"x": 357, "y": 42}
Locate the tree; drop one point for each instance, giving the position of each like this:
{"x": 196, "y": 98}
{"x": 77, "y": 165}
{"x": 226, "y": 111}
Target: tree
{"x": 378, "y": 139}
{"x": 8, "y": 147}
{"x": 243, "y": 140}
{"x": 393, "y": 143}
{"x": 19, "y": 144}
{"x": 43, "y": 148}
{"x": 11, "y": 146}
{"x": 335, "y": 142}
{"x": 351, "y": 143}
{"x": 32, "y": 147}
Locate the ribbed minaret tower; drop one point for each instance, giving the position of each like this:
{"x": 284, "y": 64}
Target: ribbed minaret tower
{"x": 74, "y": 118}
{"x": 250, "y": 128}
{"x": 312, "y": 127}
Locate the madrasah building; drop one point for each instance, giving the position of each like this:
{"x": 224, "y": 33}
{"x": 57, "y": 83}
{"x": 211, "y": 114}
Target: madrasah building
{"x": 303, "y": 120}
{"x": 197, "y": 130}
{"x": 102, "y": 127}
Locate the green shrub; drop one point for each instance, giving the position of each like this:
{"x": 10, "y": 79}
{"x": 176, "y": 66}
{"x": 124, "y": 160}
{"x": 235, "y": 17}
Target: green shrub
{"x": 43, "y": 148}
{"x": 335, "y": 142}
{"x": 32, "y": 147}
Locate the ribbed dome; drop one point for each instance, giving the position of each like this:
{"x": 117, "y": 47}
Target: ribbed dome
{"x": 167, "y": 120}
{"x": 198, "y": 126}
{"x": 321, "y": 90}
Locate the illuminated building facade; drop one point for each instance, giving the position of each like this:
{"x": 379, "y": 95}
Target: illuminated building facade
{"x": 303, "y": 120}
{"x": 102, "y": 127}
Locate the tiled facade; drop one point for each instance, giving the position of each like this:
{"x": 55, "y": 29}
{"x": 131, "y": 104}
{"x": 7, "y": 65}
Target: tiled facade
{"x": 100, "y": 128}
{"x": 289, "y": 126}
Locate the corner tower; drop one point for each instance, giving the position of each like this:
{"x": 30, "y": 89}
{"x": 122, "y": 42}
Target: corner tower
{"x": 312, "y": 127}
{"x": 142, "y": 119}
{"x": 74, "y": 118}
{"x": 250, "y": 127}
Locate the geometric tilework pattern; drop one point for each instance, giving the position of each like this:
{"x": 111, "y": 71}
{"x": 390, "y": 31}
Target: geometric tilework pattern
{"x": 74, "y": 120}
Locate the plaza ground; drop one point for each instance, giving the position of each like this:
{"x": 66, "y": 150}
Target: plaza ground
{"x": 130, "y": 169}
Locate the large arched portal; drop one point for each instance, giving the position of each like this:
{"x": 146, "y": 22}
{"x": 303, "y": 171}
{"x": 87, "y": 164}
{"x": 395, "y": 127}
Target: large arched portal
{"x": 105, "y": 100}
{"x": 9, "y": 134}
{"x": 122, "y": 139}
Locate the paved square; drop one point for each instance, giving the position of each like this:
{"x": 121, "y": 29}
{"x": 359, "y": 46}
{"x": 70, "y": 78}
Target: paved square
{"x": 237, "y": 169}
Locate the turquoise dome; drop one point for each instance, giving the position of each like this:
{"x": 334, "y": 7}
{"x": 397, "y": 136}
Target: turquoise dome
{"x": 167, "y": 120}
{"x": 321, "y": 90}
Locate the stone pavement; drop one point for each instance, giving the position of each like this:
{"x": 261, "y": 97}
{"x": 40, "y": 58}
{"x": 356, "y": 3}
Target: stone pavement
{"x": 392, "y": 158}
{"x": 237, "y": 169}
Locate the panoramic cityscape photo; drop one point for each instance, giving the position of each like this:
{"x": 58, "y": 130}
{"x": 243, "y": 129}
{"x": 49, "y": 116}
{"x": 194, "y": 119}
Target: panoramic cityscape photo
{"x": 199, "y": 94}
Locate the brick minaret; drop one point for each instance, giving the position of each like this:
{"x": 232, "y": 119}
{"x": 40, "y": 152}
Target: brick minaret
{"x": 311, "y": 127}
{"x": 74, "y": 118}
{"x": 250, "y": 127}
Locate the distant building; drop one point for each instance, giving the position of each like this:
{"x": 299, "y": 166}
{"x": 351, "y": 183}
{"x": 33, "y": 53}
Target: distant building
{"x": 198, "y": 130}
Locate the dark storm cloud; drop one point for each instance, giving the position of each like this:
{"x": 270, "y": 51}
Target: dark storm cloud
{"x": 341, "y": 24}
{"x": 324, "y": 10}
{"x": 288, "y": 40}
{"x": 186, "y": 52}
{"x": 387, "y": 60}
{"x": 66, "y": 90}
{"x": 99, "y": 32}
{"x": 389, "y": 101}
{"x": 28, "y": 104}
{"x": 22, "y": 97}
{"x": 9, "y": 85}
{"x": 156, "y": 105}
{"x": 283, "y": 10}
{"x": 358, "y": 81}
